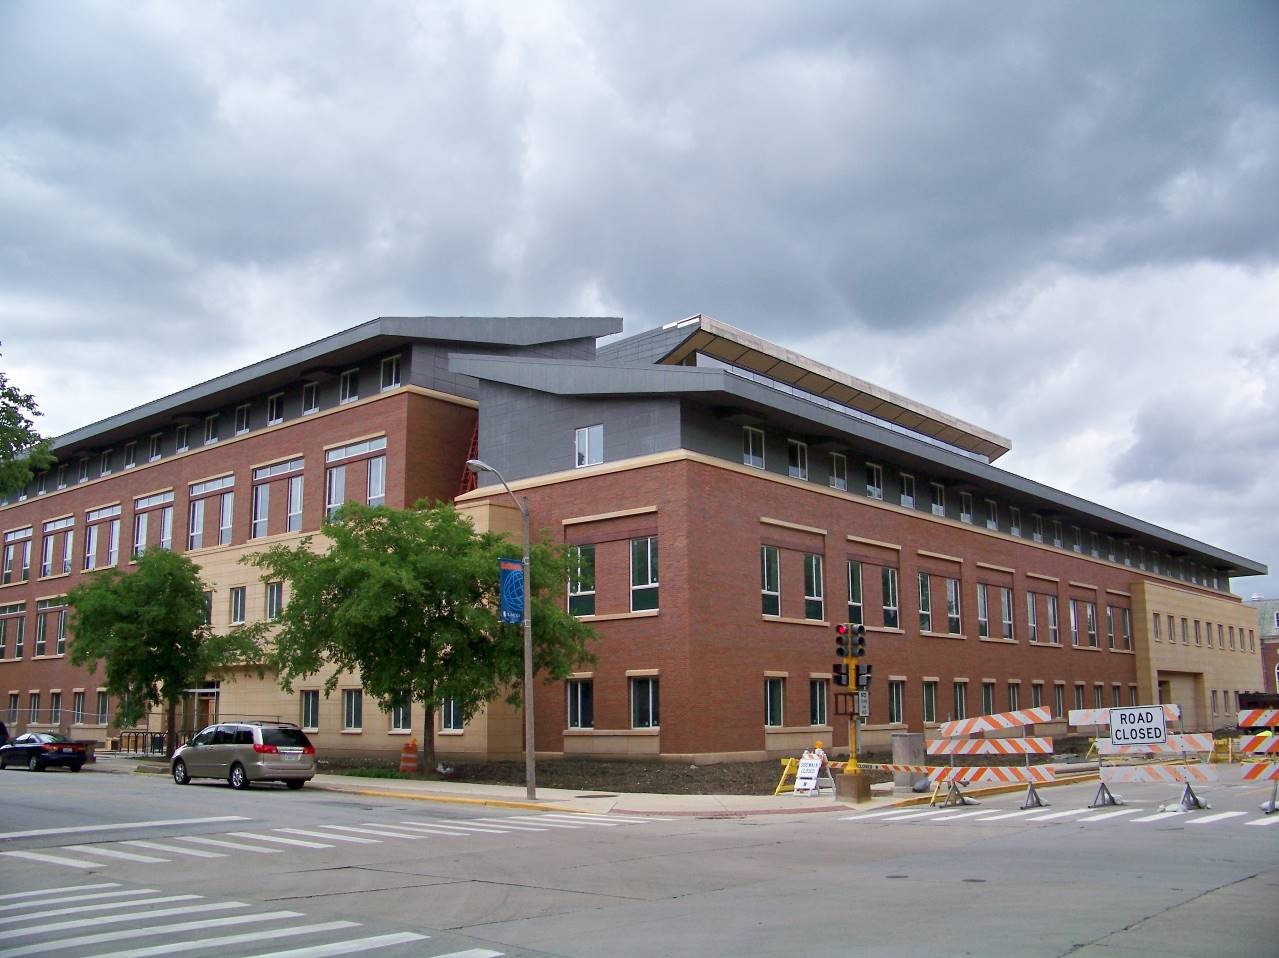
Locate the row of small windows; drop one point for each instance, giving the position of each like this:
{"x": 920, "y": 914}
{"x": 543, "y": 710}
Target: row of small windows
{"x": 1040, "y": 530}
{"x": 399, "y": 715}
{"x": 644, "y": 584}
{"x": 108, "y": 461}
{"x": 1201, "y": 631}
{"x": 208, "y": 500}
{"x": 50, "y": 637}
{"x": 42, "y": 711}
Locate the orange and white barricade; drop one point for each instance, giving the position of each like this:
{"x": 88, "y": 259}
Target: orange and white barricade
{"x": 952, "y": 742}
{"x": 1259, "y": 744}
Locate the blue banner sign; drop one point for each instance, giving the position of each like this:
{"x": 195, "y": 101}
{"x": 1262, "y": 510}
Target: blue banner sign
{"x": 511, "y": 586}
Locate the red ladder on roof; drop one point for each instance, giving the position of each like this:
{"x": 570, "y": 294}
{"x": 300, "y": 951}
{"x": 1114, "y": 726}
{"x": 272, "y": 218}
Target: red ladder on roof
{"x": 468, "y": 480}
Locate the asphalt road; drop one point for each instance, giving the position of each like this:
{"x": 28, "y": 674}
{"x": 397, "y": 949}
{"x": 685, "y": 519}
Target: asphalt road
{"x": 145, "y": 867}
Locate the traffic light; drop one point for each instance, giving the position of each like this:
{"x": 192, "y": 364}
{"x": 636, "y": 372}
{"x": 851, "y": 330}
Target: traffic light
{"x": 843, "y": 640}
{"x": 839, "y": 673}
{"x": 863, "y": 676}
{"x": 857, "y": 641}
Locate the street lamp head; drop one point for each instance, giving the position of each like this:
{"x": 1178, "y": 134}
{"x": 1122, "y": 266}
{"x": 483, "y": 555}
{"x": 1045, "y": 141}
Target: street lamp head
{"x": 478, "y": 465}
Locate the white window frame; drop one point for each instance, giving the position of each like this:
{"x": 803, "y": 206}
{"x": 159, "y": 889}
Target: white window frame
{"x": 210, "y": 429}
{"x": 774, "y": 701}
{"x": 130, "y": 455}
{"x": 238, "y": 604}
{"x": 261, "y": 514}
{"x": 796, "y": 459}
{"x": 752, "y": 447}
{"x": 274, "y": 601}
{"x": 645, "y": 691}
{"x": 310, "y": 398}
{"x": 641, "y": 587}
{"x": 896, "y": 701}
{"x": 1032, "y": 617}
{"x": 966, "y": 507}
{"x": 874, "y": 480}
{"x": 838, "y": 471}
{"x": 907, "y": 496}
{"x": 390, "y": 373}
{"x": 983, "y": 611}
{"x": 1006, "y": 612}
{"x": 377, "y": 481}
{"x": 770, "y": 580}
{"x": 451, "y": 717}
{"x": 153, "y": 447}
{"x": 938, "y": 506}
{"x": 992, "y": 514}
{"x": 334, "y": 490}
{"x": 856, "y": 607}
{"x": 309, "y": 704}
{"x": 352, "y": 710}
{"x": 401, "y": 713}
{"x": 588, "y": 446}
{"x": 242, "y": 418}
{"x": 349, "y": 386}
{"x": 275, "y": 409}
{"x": 891, "y": 597}
{"x": 814, "y": 588}
{"x": 182, "y": 441}
{"x": 293, "y": 521}
{"x": 1014, "y": 521}
{"x": 954, "y": 607}
{"x": 226, "y": 517}
{"x": 925, "y": 602}
{"x": 928, "y": 699}
{"x": 576, "y": 693}
{"x": 818, "y": 702}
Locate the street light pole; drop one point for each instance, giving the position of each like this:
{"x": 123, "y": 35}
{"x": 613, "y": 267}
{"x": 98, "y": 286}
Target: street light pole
{"x": 530, "y": 759}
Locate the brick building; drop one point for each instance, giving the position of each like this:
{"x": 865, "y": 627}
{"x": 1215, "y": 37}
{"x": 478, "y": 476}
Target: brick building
{"x": 775, "y": 496}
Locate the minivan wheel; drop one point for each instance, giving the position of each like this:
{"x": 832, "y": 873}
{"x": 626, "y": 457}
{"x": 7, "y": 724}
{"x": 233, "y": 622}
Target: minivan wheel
{"x": 34, "y": 764}
{"x": 295, "y": 783}
{"x": 180, "y": 773}
{"x": 238, "y": 777}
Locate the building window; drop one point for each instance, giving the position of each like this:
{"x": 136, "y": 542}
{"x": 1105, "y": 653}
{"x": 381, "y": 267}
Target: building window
{"x": 930, "y": 702}
{"x": 925, "y": 603}
{"x": 581, "y": 581}
{"x": 352, "y": 710}
{"x": 874, "y": 481}
{"x": 954, "y": 624}
{"x": 983, "y": 610}
{"x": 581, "y": 703}
{"x": 939, "y": 498}
{"x": 33, "y": 708}
{"x": 1098, "y": 695}
{"x": 274, "y": 600}
{"x": 961, "y": 700}
{"x": 896, "y": 692}
{"x": 814, "y": 604}
{"x": 195, "y": 528}
{"x": 261, "y": 510}
{"x": 770, "y": 580}
{"x": 241, "y": 419}
{"x": 907, "y": 498}
{"x": 1014, "y": 521}
{"x": 226, "y": 509}
{"x": 1198, "y": 635}
{"x": 1079, "y": 695}
{"x": 1058, "y": 541}
{"x": 1185, "y": 631}
{"x": 390, "y": 372}
{"x": 311, "y": 709}
{"x": 310, "y": 397}
{"x": 817, "y": 690}
{"x": 1213, "y": 696}
{"x": 1006, "y": 612}
{"x": 139, "y": 534}
{"x": 166, "y": 527}
{"x": 13, "y": 707}
{"x": 208, "y": 608}
{"x": 55, "y": 708}
{"x": 1032, "y": 617}
{"x": 349, "y": 386}
{"x": 1037, "y": 695}
{"x": 752, "y": 447}
{"x": 774, "y": 693}
{"x": 988, "y": 698}
{"x": 589, "y": 443}
{"x": 377, "y": 481}
{"x": 82, "y": 470}
{"x": 644, "y": 574}
{"x": 796, "y": 459}
{"x": 334, "y": 490}
{"x": 1090, "y": 613}
{"x": 153, "y": 448}
{"x": 1054, "y": 629}
{"x": 1076, "y": 539}
{"x": 130, "y": 455}
{"x": 1110, "y": 626}
{"x": 182, "y": 443}
{"x": 77, "y": 708}
{"x": 91, "y": 548}
{"x": 645, "y": 703}
{"x": 854, "y": 592}
{"x": 1037, "y": 528}
{"x": 113, "y": 542}
{"x": 17, "y": 556}
{"x": 1059, "y": 700}
{"x": 451, "y": 716}
{"x": 275, "y": 409}
{"x": 102, "y": 708}
{"x": 104, "y": 463}
{"x": 61, "y": 481}
{"x": 402, "y": 713}
{"x": 839, "y": 471}
{"x": 294, "y": 521}
{"x": 1014, "y": 696}
{"x": 889, "y": 582}
{"x": 1157, "y": 632}
{"x": 210, "y": 429}
{"x": 237, "y": 605}
{"x": 992, "y": 514}
{"x": 46, "y": 555}
{"x": 1074, "y": 622}
{"x": 1116, "y": 696}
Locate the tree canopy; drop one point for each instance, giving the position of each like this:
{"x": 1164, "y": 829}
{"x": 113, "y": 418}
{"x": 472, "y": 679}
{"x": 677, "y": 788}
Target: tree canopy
{"x": 23, "y": 452}
{"x": 409, "y": 600}
{"x": 149, "y": 629}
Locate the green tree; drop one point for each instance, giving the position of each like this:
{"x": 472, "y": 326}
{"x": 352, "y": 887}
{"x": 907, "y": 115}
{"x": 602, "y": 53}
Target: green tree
{"x": 23, "y": 452}
{"x": 150, "y": 630}
{"x": 409, "y": 600}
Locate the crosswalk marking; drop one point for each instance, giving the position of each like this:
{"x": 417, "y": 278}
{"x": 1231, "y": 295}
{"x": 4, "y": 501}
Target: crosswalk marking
{"x": 1021, "y": 813}
{"x": 203, "y": 908}
{"x": 191, "y": 944}
{"x": 515, "y": 823}
{"x": 118, "y": 826}
{"x": 145, "y": 932}
{"x": 433, "y": 830}
{"x": 1220, "y": 816}
{"x": 948, "y": 818}
{"x": 1056, "y": 815}
{"x": 1264, "y": 821}
{"x": 122, "y": 856}
{"x": 346, "y": 947}
{"x": 40, "y": 892}
{"x": 467, "y": 826}
{"x": 53, "y": 859}
{"x": 64, "y": 898}
{"x": 1159, "y": 816}
{"x": 98, "y": 906}
{"x": 472, "y": 953}
{"x": 337, "y": 838}
{"x": 223, "y": 843}
{"x": 385, "y": 831}
{"x": 576, "y": 820}
{"x": 174, "y": 849}
{"x": 1117, "y": 814}
{"x": 300, "y": 843}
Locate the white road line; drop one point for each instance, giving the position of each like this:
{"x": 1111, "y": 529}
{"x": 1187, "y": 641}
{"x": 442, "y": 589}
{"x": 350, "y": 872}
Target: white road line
{"x": 914, "y": 814}
{"x": 234, "y": 846}
{"x": 45, "y": 928}
{"x": 173, "y": 849}
{"x": 1018, "y": 814}
{"x": 1056, "y": 815}
{"x": 1264, "y": 821}
{"x": 578, "y": 820}
{"x": 428, "y": 830}
{"x": 101, "y": 906}
{"x": 54, "y": 859}
{"x": 949, "y": 818}
{"x": 1105, "y": 815}
{"x": 70, "y": 898}
{"x": 473, "y": 953}
{"x": 194, "y": 943}
{"x": 539, "y": 827}
{"x": 468, "y": 827}
{"x": 344, "y": 947}
{"x": 64, "y": 888}
{"x": 80, "y": 829}
{"x": 147, "y": 932}
{"x": 629, "y": 819}
{"x": 123, "y": 856}
{"x": 336, "y": 838}
{"x": 1158, "y": 816}
{"x": 1219, "y": 817}
{"x": 862, "y": 818}
{"x": 386, "y": 831}
{"x": 299, "y": 843}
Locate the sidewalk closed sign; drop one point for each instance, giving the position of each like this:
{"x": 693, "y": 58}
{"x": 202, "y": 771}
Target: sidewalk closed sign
{"x": 806, "y": 776}
{"x": 1138, "y": 726}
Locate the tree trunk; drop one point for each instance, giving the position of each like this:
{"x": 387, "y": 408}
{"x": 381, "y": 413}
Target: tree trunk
{"x": 427, "y": 753}
{"x": 171, "y": 730}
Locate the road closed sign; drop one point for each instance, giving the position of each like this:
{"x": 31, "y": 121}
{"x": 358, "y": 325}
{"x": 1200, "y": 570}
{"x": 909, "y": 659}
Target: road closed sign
{"x": 1138, "y": 726}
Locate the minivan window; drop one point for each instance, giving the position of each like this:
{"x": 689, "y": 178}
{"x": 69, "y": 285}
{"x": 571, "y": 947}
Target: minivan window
{"x": 224, "y": 736}
{"x": 285, "y": 737}
{"x": 244, "y": 736}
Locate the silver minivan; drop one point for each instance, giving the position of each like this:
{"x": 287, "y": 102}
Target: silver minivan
{"x": 247, "y": 752}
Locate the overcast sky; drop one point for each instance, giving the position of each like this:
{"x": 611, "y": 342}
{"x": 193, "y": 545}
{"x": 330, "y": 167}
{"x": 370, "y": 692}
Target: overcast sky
{"x": 1058, "y": 221}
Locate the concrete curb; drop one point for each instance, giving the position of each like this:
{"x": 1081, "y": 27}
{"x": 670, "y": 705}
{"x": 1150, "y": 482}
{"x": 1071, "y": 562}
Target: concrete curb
{"x": 447, "y": 799}
{"x": 997, "y": 790}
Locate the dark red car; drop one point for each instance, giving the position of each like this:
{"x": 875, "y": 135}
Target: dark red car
{"x": 38, "y": 750}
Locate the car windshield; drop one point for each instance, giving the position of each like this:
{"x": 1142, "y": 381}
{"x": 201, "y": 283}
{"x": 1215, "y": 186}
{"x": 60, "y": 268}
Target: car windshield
{"x": 285, "y": 737}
